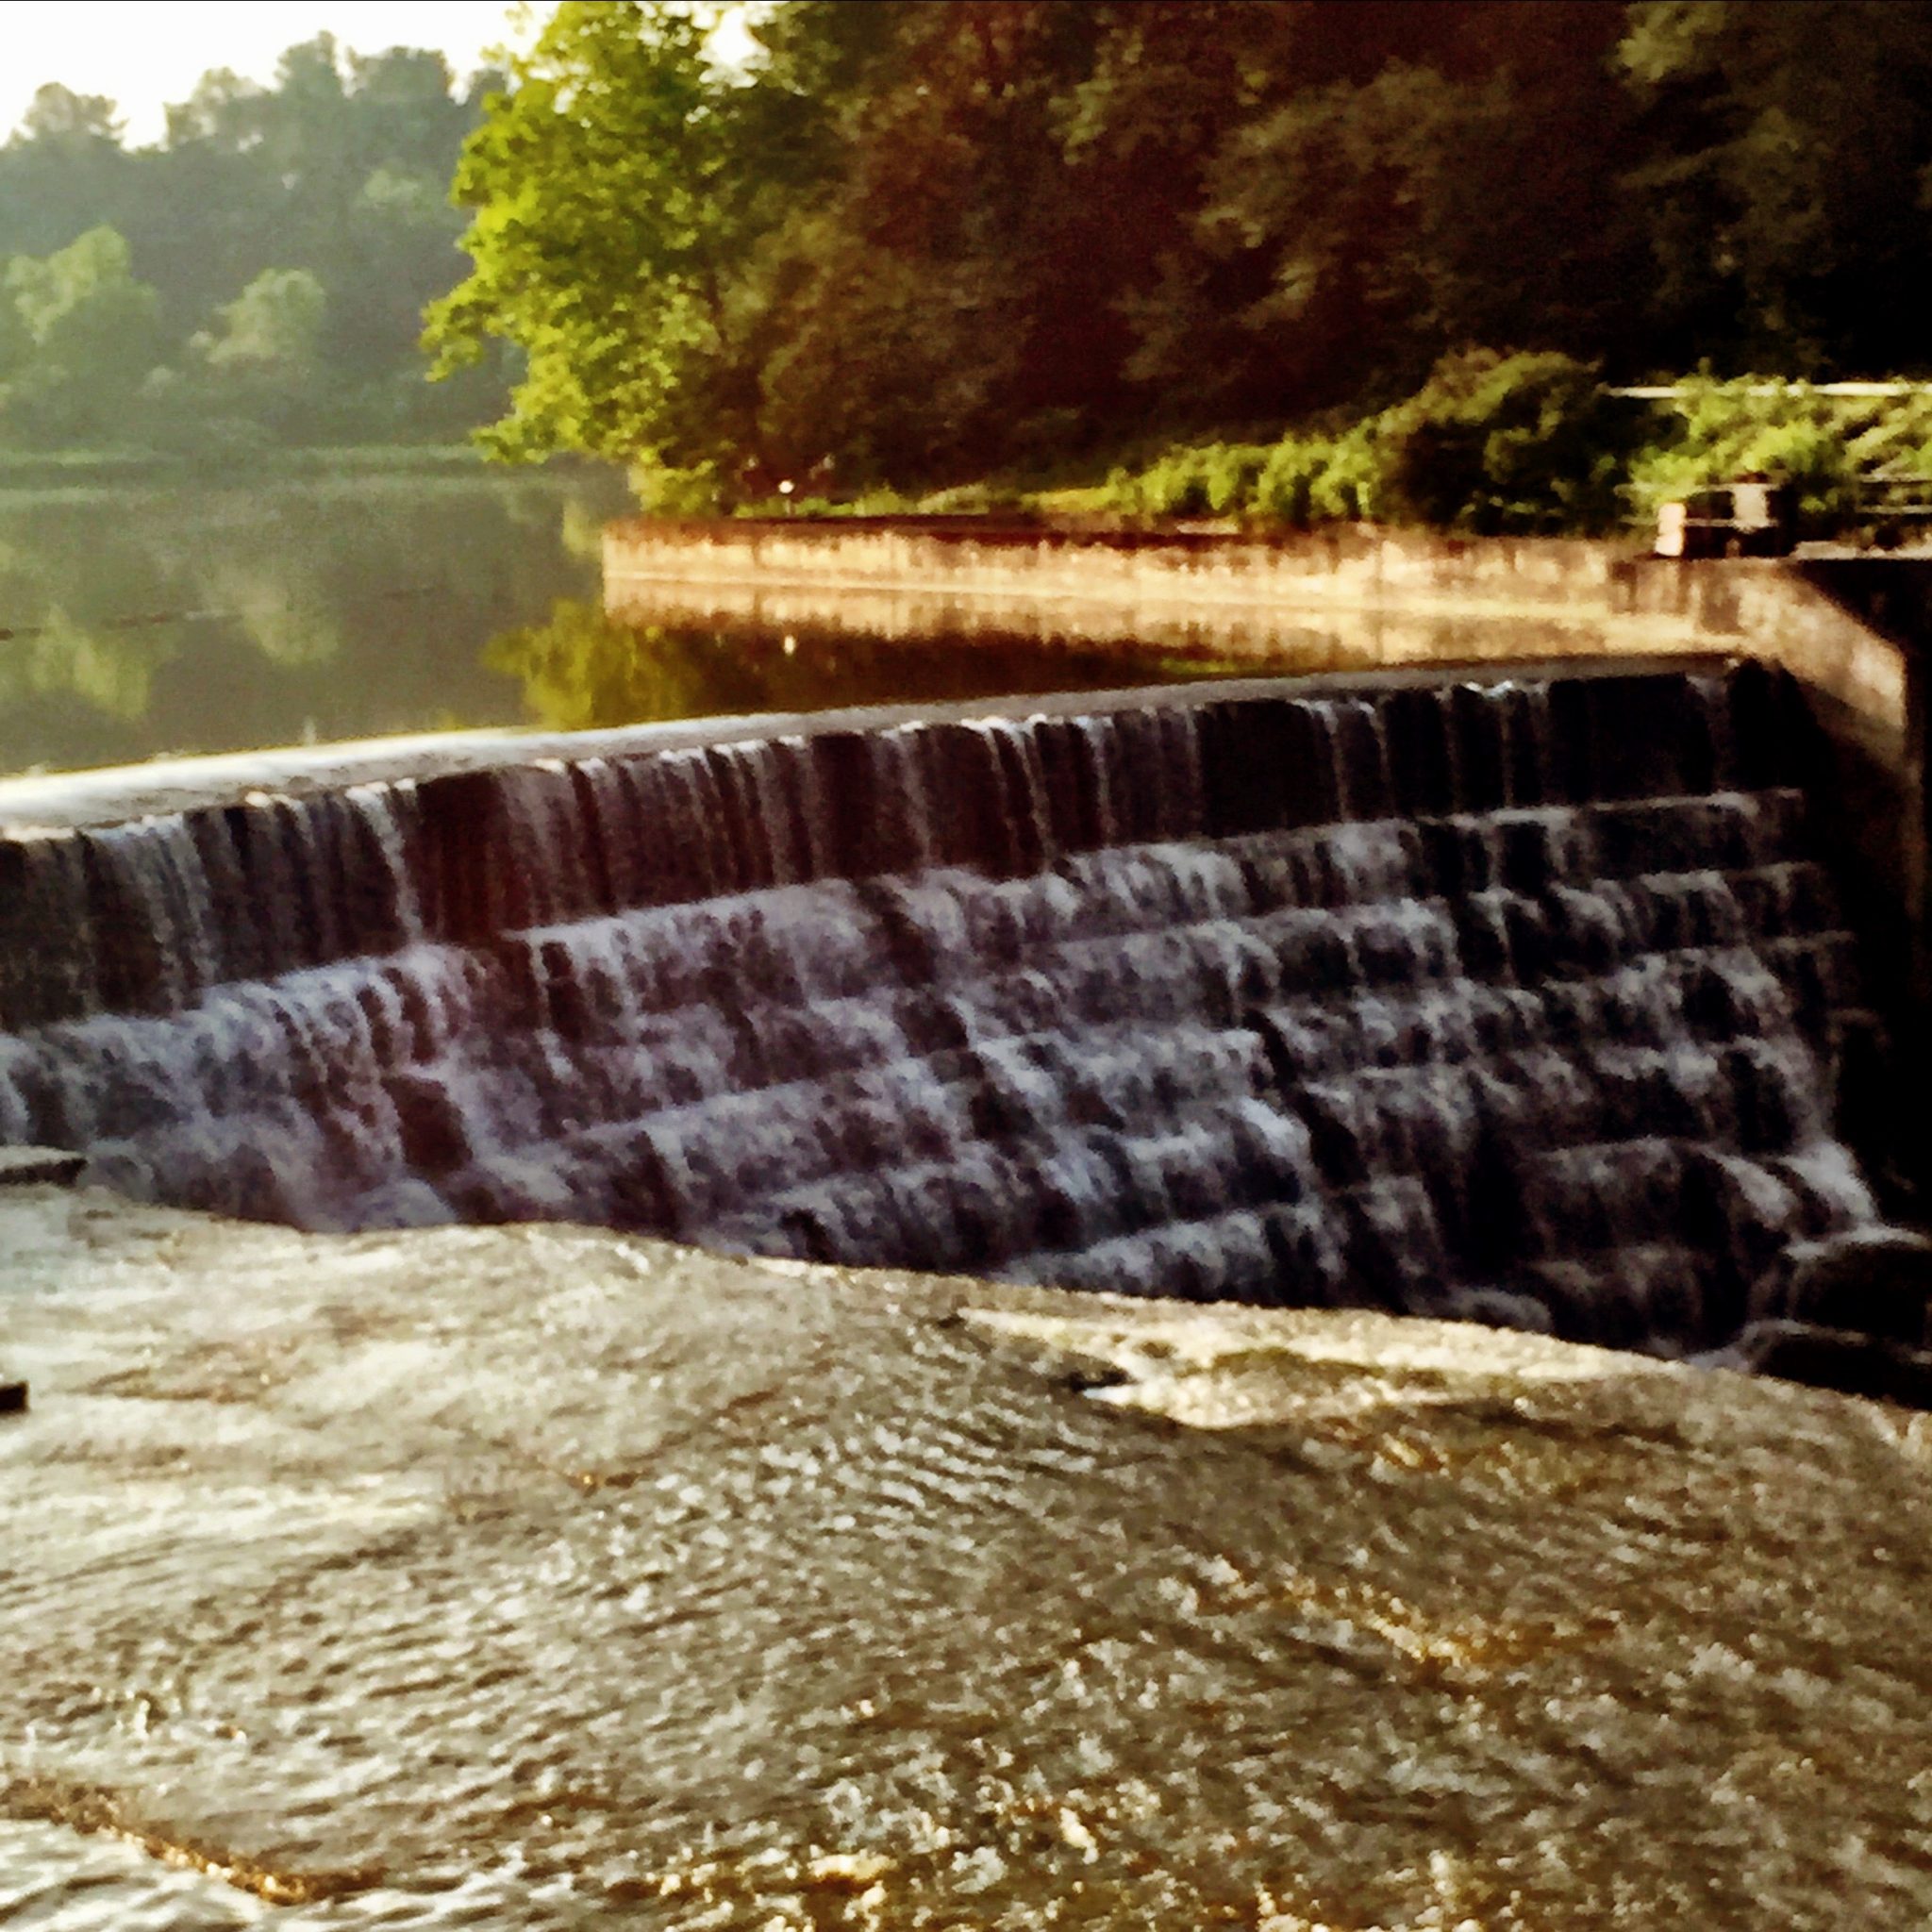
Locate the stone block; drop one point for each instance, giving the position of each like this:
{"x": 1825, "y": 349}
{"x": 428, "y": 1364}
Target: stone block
{"x": 1878, "y": 1280}
{"x": 40, "y": 1167}
{"x": 1837, "y": 1359}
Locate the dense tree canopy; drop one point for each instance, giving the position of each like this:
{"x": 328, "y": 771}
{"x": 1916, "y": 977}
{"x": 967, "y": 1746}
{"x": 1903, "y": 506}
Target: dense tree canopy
{"x": 916, "y": 241}
{"x": 611, "y": 200}
{"x": 259, "y": 274}
{"x": 83, "y": 330}
{"x": 913, "y": 244}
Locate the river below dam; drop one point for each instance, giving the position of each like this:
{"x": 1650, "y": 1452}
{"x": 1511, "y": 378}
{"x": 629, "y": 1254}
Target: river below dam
{"x": 548, "y": 1577}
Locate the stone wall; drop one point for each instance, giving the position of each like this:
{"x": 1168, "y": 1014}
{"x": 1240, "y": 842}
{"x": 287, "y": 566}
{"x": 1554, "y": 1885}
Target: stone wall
{"x": 1113, "y": 583}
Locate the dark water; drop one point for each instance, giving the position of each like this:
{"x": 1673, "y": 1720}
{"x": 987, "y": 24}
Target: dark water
{"x": 582, "y": 669}
{"x": 141, "y": 624}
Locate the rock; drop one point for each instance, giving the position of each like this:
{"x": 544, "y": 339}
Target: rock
{"x": 1878, "y": 1280}
{"x": 1840, "y": 1358}
{"x": 40, "y": 1167}
{"x": 1498, "y": 1307}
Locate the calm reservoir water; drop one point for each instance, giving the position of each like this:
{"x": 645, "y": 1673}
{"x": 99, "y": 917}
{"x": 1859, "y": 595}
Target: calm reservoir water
{"x": 139, "y": 624}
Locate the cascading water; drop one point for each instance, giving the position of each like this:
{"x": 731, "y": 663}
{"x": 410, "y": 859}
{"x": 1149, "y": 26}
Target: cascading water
{"x": 1514, "y": 1002}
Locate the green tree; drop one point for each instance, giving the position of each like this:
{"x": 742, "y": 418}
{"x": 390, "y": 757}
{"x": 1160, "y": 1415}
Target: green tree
{"x": 1495, "y": 444}
{"x": 922, "y": 242}
{"x": 1786, "y": 178}
{"x": 948, "y": 296}
{"x": 912, "y": 243}
{"x": 272, "y": 329}
{"x": 85, "y": 337}
{"x": 16, "y": 342}
{"x": 1428, "y": 178}
{"x": 339, "y": 171}
{"x": 77, "y": 125}
{"x": 62, "y": 173}
{"x": 612, "y": 217}
{"x": 257, "y": 376}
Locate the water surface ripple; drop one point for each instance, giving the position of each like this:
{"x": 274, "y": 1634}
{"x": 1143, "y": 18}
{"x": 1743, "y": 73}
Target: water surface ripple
{"x": 548, "y": 1577}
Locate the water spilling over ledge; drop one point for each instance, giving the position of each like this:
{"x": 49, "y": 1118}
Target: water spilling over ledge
{"x": 1516, "y": 1001}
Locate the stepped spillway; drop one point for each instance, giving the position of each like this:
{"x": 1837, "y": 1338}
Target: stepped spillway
{"x": 1516, "y": 1001}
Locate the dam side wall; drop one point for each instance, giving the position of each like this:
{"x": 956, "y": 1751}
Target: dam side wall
{"x": 1853, "y": 629}
{"x": 1618, "y": 601}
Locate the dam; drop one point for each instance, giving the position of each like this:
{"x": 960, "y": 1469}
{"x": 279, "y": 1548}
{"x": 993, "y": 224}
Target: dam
{"x": 1520, "y": 997}
{"x": 372, "y": 1565}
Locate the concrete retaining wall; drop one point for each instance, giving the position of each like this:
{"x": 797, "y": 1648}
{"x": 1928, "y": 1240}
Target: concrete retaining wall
{"x": 1855, "y": 630}
{"x": 885, "y": 574}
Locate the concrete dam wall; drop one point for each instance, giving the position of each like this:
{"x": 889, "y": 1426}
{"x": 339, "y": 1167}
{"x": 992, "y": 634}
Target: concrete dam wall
{"x": 1855, "y": 628}
{"x": 1519, "y": 1001}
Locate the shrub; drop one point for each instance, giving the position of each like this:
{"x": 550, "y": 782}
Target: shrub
{"x": 881, "y": 500}
{"x": 1501, "y": 444}
{"x": 968, "y": 499}
{"x": 1300, "y": 481}
{"x": 1230, "y": 473}
{"x": 1820, "y": 445}
{"x": 1496, "y": 444}
{"x": 1218, "y": 479}
{"x": 1286, "y": 488}
{"x": 1175, "y": 486}
{"x": 1351, "y": 486}
{"x": 662, "y": 491}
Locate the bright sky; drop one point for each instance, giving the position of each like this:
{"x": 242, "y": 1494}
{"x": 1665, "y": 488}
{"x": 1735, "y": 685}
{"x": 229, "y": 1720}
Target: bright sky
{"x": 146, "y": 52}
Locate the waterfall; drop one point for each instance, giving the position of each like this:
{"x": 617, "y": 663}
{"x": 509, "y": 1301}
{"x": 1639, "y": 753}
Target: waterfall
{"x": 1515, "y": 1002}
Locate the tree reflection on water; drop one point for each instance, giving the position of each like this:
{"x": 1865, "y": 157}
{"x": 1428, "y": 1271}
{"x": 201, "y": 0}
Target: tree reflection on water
{"x": 138, "y": 622}
{"x": 584, "y": 670}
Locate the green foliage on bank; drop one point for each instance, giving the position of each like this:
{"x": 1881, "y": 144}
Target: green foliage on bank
{"x": 1491, "y": 444}
{"x": 908, "y": 245}
{"x": 1824, "y": 446}
{"x": 1238, "y": 249}
{"x": 1528, "y": 444}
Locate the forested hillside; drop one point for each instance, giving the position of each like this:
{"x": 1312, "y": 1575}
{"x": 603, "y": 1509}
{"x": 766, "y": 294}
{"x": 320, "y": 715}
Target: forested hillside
{"x": 914, "y": 244}
{"x": 256, "y": 279}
